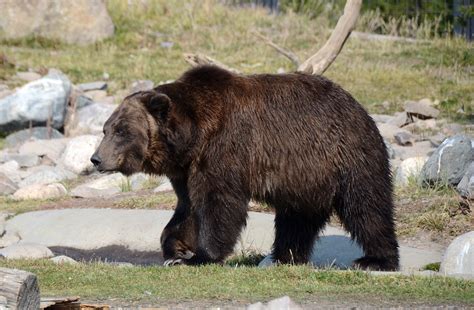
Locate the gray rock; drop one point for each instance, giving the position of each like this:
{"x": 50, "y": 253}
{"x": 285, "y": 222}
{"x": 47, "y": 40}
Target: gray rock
{"x": 40, "y": 191}
{"x": 7, "y": 186}
{"x": 63, "y": 259}
{"x": 36, "y": 102}
{"x": 141, "y": 85}
{"x": 11, "y": 169}
{"x": 46, "y": 175}
{"x": 422, "y": 148}
{"x": 410, "y": 168}
{"x": 77, "y": 154}
{"x": 388, "y": 131}
{"x": 91, "y": 119}
{"x": 450, "y": 161}
{"x": 437, "y": 139}
{"x": 466, "y": 186}
{"x": 52, "y": 148}
{"x": 390, "y": 150}
{"x": 76, "y": 22}
{"x": 20, "y": 137}
{"x": 24, "y": 160}
{"x": 404, "y": 138}
{"x": 452, "y": 129}
{"x": 105, "y": 186}
{"x": 401, "y": 119}
{"x": 422, "y": 125}
{"x": 28, "y": 76}
{"x": 276, "y": 304}
{"x": 99, "y": 85}
{"x": 83, "y": 101}
{"x": 458, "y": 260}
{"x": 26, "y": 251}
{"x": 421, "y": 109}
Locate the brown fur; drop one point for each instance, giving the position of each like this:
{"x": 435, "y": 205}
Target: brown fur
{"x": 298, "y": 142}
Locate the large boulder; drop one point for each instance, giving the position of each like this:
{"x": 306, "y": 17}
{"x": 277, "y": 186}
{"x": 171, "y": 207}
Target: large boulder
{"x": 45, "y": 175}
{"x": 36, "y": 102}
{"x": 410, "y": 168}
{"x": 76, "y": 156}
{"x": 52, "y": 148}
{"x": 26, "y": 251}
{"x": 12, "y": 170}
{"x": 24, "y": 135}
{"x": 458, "y": 259}
{"x": 90, "y": 119}
{"x": 450, "y": 161}
{"x": 78, "y": 21}
{"x": 7, "y": 186}
{"x": 105, "y": 186}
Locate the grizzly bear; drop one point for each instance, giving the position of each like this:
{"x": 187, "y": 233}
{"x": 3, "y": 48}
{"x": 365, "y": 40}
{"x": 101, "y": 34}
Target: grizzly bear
{"x": 297, "y": 142}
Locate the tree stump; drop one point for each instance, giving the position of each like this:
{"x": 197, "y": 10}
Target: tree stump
{"x": 19, "y": 288}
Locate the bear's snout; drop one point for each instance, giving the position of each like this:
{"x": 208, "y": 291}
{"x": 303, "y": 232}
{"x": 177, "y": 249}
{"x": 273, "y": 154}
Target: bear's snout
{"x": 96, "y": 160}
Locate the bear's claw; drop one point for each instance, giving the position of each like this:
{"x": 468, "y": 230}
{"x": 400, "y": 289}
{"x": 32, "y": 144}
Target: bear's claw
{"x": 173, "y": 262}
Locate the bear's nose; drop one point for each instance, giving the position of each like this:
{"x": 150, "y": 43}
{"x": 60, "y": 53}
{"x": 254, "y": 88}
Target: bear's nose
{"x": 95, "y": 159}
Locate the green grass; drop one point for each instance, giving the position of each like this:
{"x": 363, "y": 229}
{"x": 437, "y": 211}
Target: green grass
{"x": 156, "y": 284}
{"x": 372, "y": 71}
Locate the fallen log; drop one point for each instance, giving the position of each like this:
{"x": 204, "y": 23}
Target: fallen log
{"x": 19, "y": 288}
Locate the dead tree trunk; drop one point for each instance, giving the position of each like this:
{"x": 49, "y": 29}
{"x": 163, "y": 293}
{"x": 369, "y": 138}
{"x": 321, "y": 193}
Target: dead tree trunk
{"x": 19, "y": 289}
{"x": 319, "y": 62}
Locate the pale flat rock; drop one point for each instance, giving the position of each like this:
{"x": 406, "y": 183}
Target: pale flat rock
{"x": 400, "y": 119}
{"x": 458, "y": 259}
{"x": 388, "y": 131}
{"x": 418, "y": 149}
{"x": 25, "y": 250}
{"x": 77, "y": 154}
{"x": 281, "y": 303}
{"x": 28, "y": 76}
{"x": 97, "y": 85}
{"x": 53, "y": 148}
{"x": 141, "y": 85}
{"x": 40, "y": 191}
{"x": 25, "y": 160}
{"x": 12, "y": 170}
{"x": 105, "y": 186}
{"x": 421, "y": 109}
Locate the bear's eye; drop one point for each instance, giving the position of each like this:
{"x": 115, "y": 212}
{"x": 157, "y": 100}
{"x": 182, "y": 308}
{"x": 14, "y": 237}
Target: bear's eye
{"x": 120, "y": 131}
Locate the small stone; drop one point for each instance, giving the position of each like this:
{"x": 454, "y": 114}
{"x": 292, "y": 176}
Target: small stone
{"x": 167, "y": 44}
{"x": 77, "y": 154}
{"x": 63, "y": 259}
{"x": 40, "y": 191}
{"x": 165, "y": 186}
{"x": 28, "y": 76}
{"x": 141, "y": 85}
{"x": 458, "y": 260}
{"x": 388, "y": 131}
{"x": 99, "y": 85}
{"x": 404, "y": 138}
{"x": 26, "y": 251}
{"x": 452, "y": 129}
{"x": 437, "y": 139}
{"x": 281, "y": 70}
{"x": 96, "y": 95}
{"x": 105, "y": 186}
{"x": 410, "y": 169}
{"x": 7, "y": 186}
{"x": 421, "y": 110}
{"x": 466, "y": 185}
{"x": 401, "y": 119}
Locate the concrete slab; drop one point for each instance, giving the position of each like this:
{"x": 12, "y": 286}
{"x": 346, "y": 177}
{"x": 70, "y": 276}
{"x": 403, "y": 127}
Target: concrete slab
{"x": 103, "y": 232}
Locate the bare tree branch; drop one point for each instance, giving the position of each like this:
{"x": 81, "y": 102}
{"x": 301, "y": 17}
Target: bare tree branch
{"x": 319, "y": 62}
{"x": 199, "y": 59}
{"x": 290, "y": 55}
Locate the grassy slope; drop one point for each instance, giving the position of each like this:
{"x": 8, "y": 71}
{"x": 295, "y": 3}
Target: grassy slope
{"x": 372, "y": 71}
{"x": 153, "y": 284}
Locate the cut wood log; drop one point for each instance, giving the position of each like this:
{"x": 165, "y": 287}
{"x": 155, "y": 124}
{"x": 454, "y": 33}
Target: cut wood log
{"x": 319, "y": 62}
{"x": 19, "y": 288}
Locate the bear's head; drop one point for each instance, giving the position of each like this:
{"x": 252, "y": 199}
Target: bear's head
{"x": 144, "y": 134}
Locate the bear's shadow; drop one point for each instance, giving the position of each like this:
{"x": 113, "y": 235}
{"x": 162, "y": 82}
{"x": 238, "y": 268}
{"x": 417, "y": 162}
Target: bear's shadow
{"x": 330, "y": 251}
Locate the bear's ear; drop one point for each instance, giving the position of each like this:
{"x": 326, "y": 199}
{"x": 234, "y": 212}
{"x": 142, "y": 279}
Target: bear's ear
{"x": 158, "y": 104}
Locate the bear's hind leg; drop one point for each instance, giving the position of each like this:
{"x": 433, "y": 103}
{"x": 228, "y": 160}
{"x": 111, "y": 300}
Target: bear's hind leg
{"x": 295, "y": 233}
{"x": 366, "y": 212}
